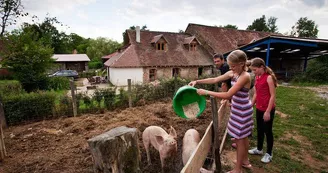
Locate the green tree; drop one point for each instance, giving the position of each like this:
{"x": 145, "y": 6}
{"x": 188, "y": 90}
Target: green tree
{"x": 28, "y": 58}
{"x": 99, "y": 47}
{"x": 259, "y": 25}
{"x": 272, "y": 24}
{"x": 230, "y": 26}
{"x": 10, "y": 10}
{"x": 305, "y": 27}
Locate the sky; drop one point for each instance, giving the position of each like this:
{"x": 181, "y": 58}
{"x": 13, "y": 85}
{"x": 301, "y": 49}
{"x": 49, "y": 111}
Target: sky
{"x": 110, "y": 18}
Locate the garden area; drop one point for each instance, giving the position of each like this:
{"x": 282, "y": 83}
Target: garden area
{"x": 57, "y": 142}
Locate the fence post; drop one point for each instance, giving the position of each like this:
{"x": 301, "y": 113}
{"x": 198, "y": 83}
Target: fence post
{"x": 3, "y": 152}
{"x": 73, "y": 98}
{"x": 216, "y": 144}
{"x": 129, "y": 93}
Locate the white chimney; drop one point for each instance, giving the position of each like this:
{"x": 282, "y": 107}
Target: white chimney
{"x": 138, "y": 34}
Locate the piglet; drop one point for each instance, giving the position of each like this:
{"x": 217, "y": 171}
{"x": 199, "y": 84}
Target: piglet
{"x": 165, "y": 143}
{"x": 190, "y": 142}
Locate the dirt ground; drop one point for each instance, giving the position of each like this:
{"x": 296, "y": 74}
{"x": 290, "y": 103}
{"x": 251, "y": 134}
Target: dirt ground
{"x": 60, "y": 145}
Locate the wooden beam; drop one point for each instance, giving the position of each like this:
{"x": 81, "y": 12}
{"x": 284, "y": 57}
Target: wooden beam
{"x": 198, "y": 157}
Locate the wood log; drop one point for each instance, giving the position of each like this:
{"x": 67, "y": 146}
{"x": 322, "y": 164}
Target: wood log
{"x": 116, "y": 151}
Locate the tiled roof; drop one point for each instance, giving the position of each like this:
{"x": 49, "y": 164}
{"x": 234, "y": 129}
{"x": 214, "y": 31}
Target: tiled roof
{"x": 110, "y": 55}
{"x": 70, "y": 57}
{"x": 188, "y": 40}
{"x": 144, "y": 54}
{"x": 221, "y": 40}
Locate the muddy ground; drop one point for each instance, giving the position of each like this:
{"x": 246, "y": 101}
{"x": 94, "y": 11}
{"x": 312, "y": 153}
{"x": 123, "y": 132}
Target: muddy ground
{"x": 60, "y": 145}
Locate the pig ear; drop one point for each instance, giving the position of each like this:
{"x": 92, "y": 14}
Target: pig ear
{"x": 159, "y": 140}
{"x": 173, "y": 132}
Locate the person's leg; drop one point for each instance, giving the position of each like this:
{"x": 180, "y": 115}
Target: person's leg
{"x": 260, "y": 129}
{"x": 268, "y": 132}
{"x": 240, "y": 155}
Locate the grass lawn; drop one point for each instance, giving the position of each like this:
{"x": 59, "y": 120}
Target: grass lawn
{"x": 301, "y": 136}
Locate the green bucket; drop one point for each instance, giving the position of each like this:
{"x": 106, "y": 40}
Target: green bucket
{"x": 187, "y": 103}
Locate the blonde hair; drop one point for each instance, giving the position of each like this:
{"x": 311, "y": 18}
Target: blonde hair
{"x": 238, "y": 56}
{"x": 258, "y": 62}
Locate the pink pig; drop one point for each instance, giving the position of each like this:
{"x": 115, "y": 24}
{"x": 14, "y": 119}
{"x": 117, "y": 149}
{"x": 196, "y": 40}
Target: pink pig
{"x": 165, "y": 143}
{"x": 190, "y": 142}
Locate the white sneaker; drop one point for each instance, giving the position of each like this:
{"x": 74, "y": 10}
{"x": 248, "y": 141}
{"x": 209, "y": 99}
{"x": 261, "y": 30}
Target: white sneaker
{"x": 255, "y": 151}
{"x": 266, "y": 158}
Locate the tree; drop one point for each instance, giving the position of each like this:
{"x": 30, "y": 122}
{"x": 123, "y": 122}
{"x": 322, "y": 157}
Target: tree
{"x": 10, "y": 10}
{"x": 99, "y": 47}
{"x": 259, "y": 25}
{"x": 230, "y": 26}
{"x": 305, "y": 27}
{"x": 272, "y": 24}
{"x": 28, "y": 58}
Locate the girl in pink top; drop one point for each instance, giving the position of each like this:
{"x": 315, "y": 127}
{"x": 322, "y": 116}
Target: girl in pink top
{"x": 264, "y": 99}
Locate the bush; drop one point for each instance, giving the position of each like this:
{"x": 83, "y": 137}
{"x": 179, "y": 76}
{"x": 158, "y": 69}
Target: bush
{"x": 58, "y": 83}
{"x": 28, "y": 106}
{"x": 95, "y": 64}
{"x": 10, "y": 87}
{"x": 87, "y": 74}
{"x": 316, "y": 71}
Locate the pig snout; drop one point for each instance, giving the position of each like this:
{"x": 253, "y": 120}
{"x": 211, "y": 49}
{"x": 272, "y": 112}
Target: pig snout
{"x": 190, "y": 142}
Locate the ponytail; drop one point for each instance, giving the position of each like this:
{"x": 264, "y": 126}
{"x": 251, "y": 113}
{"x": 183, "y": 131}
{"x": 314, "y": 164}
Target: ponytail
{"x": 271, "y": 73}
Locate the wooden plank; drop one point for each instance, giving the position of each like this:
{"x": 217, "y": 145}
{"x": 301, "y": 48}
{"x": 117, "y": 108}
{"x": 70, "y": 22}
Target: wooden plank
{"x": 216, "y": 147}
{"x": 198, "y": 157}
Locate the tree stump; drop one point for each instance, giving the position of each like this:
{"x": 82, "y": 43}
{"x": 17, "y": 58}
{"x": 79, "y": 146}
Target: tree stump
{"x": 116, "y": 151}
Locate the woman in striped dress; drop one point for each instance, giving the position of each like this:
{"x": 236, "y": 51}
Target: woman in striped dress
{"x": 240, "y": 122}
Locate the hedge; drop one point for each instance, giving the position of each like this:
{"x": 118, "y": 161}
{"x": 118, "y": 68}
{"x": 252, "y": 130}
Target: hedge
{"x": 28, "y": 106}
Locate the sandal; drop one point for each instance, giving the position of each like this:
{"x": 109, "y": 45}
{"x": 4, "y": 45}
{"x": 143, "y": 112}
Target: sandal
{"x": 234, "y": 145}
{"x": 247, "y": 166}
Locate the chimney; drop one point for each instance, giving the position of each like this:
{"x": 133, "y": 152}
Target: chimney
{"x": 138, "y": 34}
{"x": 74, "y": 51}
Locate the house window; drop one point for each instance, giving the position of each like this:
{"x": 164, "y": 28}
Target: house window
{"x": 200, "y": 71}
{"x": 175, "y": 72}
{"x": 193, "y": 46}
{"x": 152, "y": 74}
{"x": 160, "y": 46}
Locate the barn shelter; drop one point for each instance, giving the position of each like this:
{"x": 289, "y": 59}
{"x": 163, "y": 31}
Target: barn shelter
{"x": 285, "y": 55}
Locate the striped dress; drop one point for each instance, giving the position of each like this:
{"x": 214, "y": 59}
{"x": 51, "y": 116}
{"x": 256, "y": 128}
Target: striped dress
{"x": 240, "y": 123}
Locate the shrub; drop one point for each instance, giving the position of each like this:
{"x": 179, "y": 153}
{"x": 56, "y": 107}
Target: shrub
{"x": 87, "y": 74}
{"x": 316, "y": 71}
{"x": 95, "y": 64}
{"x": 10, "y": 87}
{"x": 28, "y": 106}
{"x": 58, "y": 83}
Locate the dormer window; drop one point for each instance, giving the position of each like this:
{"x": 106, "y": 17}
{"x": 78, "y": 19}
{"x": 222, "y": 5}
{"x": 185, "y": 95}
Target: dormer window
{"x": 191, "y": 43}
{"x": 161, "y": 46}
{"x": 193, "y": 46}
{"x": 159, "y": 42}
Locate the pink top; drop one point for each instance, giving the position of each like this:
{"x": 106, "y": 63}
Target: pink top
{"x": 262, "y": 92}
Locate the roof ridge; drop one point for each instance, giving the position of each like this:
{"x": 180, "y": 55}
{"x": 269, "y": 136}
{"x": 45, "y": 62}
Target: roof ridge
{"x": 242, "y": 30}
{"x": 168, "y": 32}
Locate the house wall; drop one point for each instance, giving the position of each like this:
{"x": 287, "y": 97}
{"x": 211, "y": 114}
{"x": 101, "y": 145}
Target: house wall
{"x": 167, "y": 72}
{"x": 119, "y": 76}
{"x": 78, "y": 66}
